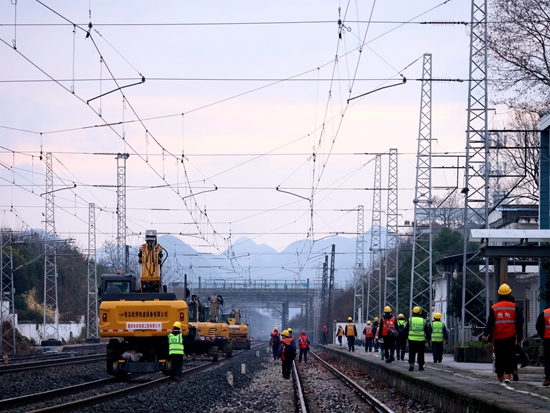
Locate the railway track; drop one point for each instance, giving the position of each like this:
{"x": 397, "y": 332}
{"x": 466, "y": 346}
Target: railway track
{"x": 45, "y": 364}
{"x": 303, "y": 400}
{"x": 123, "y": 389}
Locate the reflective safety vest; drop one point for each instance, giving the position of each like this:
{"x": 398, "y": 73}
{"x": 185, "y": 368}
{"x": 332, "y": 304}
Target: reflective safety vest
{"x": 368, "y": 332}
{"x": 547, "y": 323}
{"x": 437, "y": 332}
{"x": 416, "y": 329}
{"x": 401, "y": 323}
{"x": 340, "y": 331}
{"x": 387, "y": 324}
{"x": 303, "y": 342}
{"x": 287, "y": 341}
{"x": 505, "y": 320}
{"x": 351, "y": 330}
{"x": 175, "y": 344}
{"x": 275, "y": 337}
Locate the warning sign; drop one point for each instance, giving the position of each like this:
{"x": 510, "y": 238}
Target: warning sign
{"x": 143, "y": 326}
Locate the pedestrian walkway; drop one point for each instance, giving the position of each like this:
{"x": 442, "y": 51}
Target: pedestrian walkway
{"x": 457, "y": 387}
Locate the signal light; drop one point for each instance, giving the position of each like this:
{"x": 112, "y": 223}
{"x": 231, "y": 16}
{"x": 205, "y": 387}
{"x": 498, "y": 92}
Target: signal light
{"x": 182, "y": 317}
{"x": 104, "y": 317}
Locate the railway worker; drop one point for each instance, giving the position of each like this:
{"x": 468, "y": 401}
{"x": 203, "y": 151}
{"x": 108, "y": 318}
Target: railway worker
{"x": 369, "y": 336}
{"x": 340, "y": 333}
{"x": 290, "y": 335}
{"x": 374, "y": 330}
{"x": 389, "y": 333}
{"x": 351, "y": 333}
{"x": 287, "y": 353}
{"x": 401, "y": 342}
{"x": 417, "y": 334}
{"x": 438, "y": 335}
{"x": 325, "y": 335}
{"x": 275, "y": 342}
{"x": 175, "y": 350}
{"x": 304, "y": 346}
{"x": 505, "y": 322}
{"x": 543, "y": 328}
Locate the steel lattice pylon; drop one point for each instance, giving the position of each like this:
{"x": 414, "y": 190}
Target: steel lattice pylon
{"x": 51, "y": 309}
{"x": 391, "y": 283}
{"x": 374, "y": 279}
{"x": 92, "y": 317}
{"x": 359, "y": 272}
{"x": 7, "y": 307}
{"x": 121, "y": 210}
{"x": 421, "y": 270}
{"x": 475, "y": 298}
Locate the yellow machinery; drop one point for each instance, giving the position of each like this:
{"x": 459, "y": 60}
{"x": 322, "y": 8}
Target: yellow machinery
{"x": 238, "y": 331}
{"x": 223, "y": 340}
{"x": 137, "y": 318}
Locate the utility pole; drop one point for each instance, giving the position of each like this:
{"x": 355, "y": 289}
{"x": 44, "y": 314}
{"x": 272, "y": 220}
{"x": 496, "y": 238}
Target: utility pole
{"x": 121, "y": 211}
{"x": 330, "y": 290}
{"x": 322, "y": 312}
{"x": 92, "y": 316}
{"x": 391, "y": 282}
{"x": 476, "y": 174}
{"x": 359, "y": 293}
{"x": 7, "y": 300}
{"x": 421, "y": 269}
{"x": 51, "y": 309}
{"x": 375, "y": 278}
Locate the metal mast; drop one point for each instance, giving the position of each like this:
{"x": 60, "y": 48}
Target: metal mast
{"x": 92, "y": 320}
{"x": 51, "y": 310}
{"x": 359, "y": 274}
{"x": 421, "y": 271}
{"x": 475, "y": 299}
{"x": 375, "y": 278}
{"x": 330, "y": 291}
{"x": 121, "y": 211}
{"x": 7, "y": 306}
{"x": 392, "y": 238}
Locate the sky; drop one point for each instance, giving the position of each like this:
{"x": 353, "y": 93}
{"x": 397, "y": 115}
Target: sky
{"x": 218, "y": 104}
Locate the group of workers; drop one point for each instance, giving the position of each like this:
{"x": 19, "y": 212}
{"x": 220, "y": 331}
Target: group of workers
{"x": 391, "y": 334}
{"x": 283, "y": 346}
{"x": 504, "y": 329}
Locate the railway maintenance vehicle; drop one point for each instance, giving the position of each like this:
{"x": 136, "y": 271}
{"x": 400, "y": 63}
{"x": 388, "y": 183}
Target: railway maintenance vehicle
{"x": 238, "y": 330}
{"x": 137, "y": 316}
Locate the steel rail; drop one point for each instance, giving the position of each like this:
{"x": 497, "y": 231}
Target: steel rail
{"x": 298, "y": 389}
{"x": 102, "y": 398}
{"x": 372, "y": 401}
{"x": 35, "y": 365}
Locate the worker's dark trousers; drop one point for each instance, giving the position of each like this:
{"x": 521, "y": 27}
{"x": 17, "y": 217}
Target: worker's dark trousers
{"x": 287, "y": 365}
{"x": 400, "y": 345}
{"x": 505, "y": 355}
{"x": 177, "y": 361}
{"x": 547, "y": 358}
{"x": 389, "y": 347}
{"x": 351, "y": 343}
{"x": 275, "y": 348}
{"x": 303, "y": 351}
{"x": 368, "y": 344}
{"x": 437, "y": 350}
{"x": 340, "y": 339}
{"x": 416, "y": 347}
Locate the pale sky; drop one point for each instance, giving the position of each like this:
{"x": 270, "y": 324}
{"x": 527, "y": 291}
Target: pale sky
{"x": 247, "y": 90}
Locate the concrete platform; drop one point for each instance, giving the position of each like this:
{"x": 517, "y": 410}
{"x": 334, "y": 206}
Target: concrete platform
{"x": 452, "y": 386}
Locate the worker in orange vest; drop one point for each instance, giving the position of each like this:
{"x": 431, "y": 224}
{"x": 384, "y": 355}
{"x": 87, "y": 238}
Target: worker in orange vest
{"x": 505, "y": 322}
{"x": 369, "y": 335}
{"x": 287, "y": 353}
{"x": 303, "y": 344}
{"x": 275, "y": 341}
{"x": 351, "y": 333}
{"x": 543, "y": 328}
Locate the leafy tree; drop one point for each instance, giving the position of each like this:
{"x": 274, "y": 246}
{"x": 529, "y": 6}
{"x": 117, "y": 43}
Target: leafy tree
{"x": 519, "y": 41}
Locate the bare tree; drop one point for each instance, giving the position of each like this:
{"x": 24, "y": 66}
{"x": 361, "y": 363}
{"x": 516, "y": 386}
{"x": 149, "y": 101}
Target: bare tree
{"x": 519, "y": 44}
{"x": 448, "y": 210}
{"x": 518, "y": 158}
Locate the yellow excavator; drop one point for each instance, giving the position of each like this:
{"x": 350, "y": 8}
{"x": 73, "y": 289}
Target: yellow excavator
{"x": 238, "y": 331}
{"x": 137, "y": 316}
